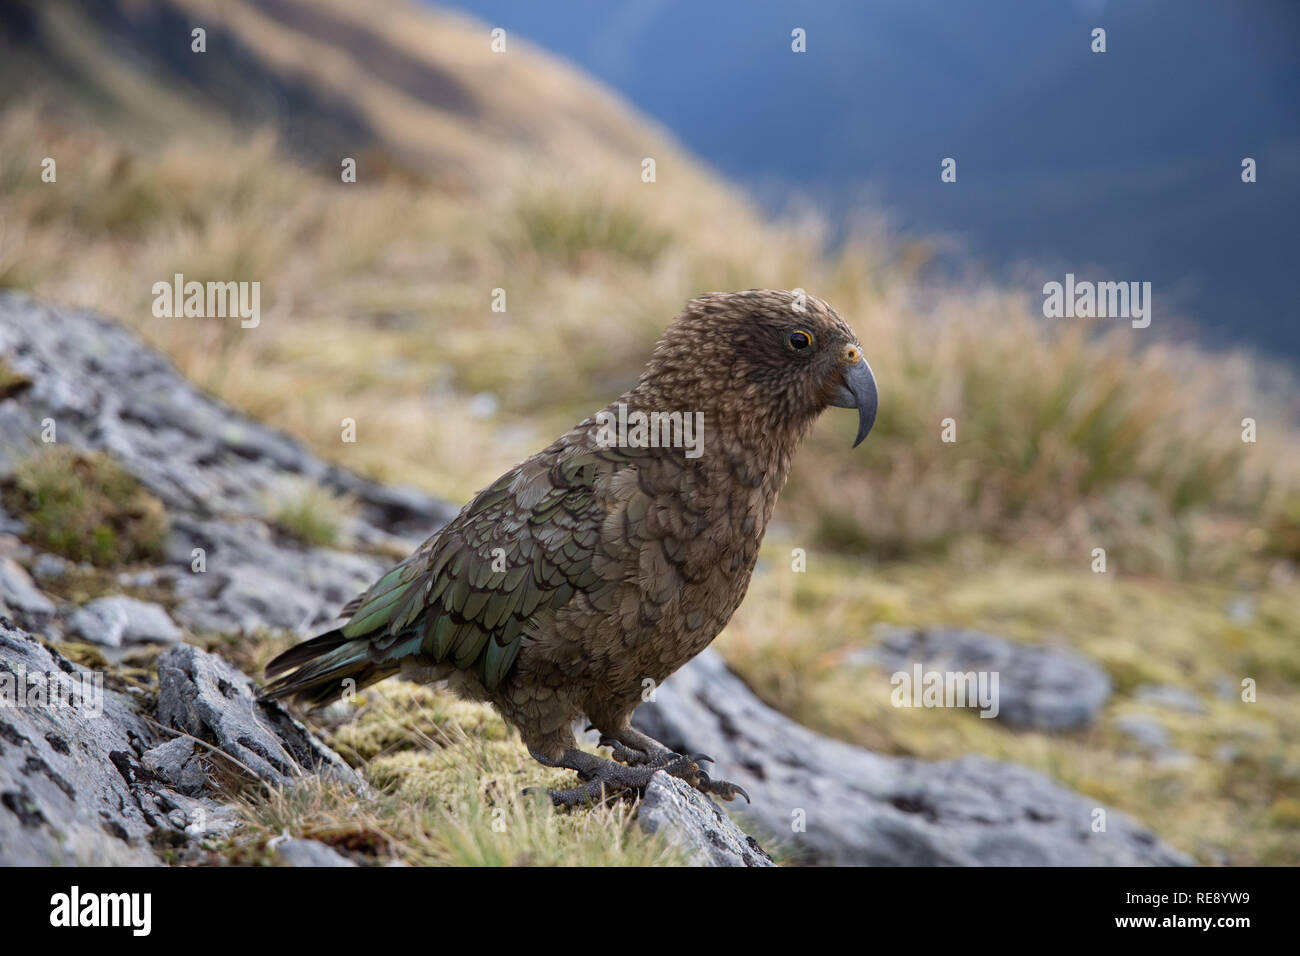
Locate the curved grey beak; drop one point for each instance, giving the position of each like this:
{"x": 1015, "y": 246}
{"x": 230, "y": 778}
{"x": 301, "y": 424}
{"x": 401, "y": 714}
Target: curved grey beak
{"x": 858, "y": 391}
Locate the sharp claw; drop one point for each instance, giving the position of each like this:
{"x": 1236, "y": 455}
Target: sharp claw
{"x": 722, "y": 788}
{"x": 702, "y": 758}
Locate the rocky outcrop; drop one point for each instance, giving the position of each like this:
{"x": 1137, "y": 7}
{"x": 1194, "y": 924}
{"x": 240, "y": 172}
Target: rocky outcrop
{"x": 74, "y": 787}
{"x": 18, "y": 594}
{"x": 1052, "y": 688}
{"x": 122, "y": 778}
{"x": 91, "y": 775}
{"x": 106, "y": 391}
{"x": 216, "y": 472}
{"x": 694, "y": 824}
{"x": 203, "y": 696}
{"x": 292, "y": 852}
{"x": 830, "y": 803}
{"x": 111, "y": 621}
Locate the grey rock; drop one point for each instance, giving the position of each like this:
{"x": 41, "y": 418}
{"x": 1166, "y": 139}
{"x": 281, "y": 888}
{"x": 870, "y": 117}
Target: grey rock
{"x": 50, "y": 566}
{"x": 177, "y": 763}
{"x": 137, "y": 786}
{"x": 832, "y": 803}
{"x": 12, "y": 546}
{"x": 168, "y": 759}
{"x": 483, "y": 405}
{"x": 198, "y": 819}
{"x": 68, "y": 793}
{"x": 117, "y": 620}
{"x": 1171, "y": 698}
{"x": 694, "y": 824}
{"x": 204, "y": 696}
{"x": 18, "y": 592}
{"x": 86, "y": 779}
{"x": 1146, "y": 731}
{"x": 1041, "y": 688}
{"x": 295, "y": 852}
{"x": 139, "y": 579}
{"x": 213, "y": 469}
{"x": 251, "y": 581}
{"x": 1240, "y": 610}
{"x": 1227, "y": 753}
{"x": 110, "y": 393}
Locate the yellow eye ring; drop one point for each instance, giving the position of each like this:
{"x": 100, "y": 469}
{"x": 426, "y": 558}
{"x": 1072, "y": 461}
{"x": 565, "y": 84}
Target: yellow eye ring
{"x": 798, "y": 340}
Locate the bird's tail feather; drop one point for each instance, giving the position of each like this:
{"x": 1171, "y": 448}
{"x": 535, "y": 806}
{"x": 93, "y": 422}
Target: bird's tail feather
{"x": 313, "y": 672}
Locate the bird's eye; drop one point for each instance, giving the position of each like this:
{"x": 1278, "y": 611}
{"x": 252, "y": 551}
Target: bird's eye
{"x": 799, "y": 340}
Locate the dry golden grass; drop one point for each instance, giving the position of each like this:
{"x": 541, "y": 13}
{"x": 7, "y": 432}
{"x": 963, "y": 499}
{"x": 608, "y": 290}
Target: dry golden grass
{"x": 377, "y": 306}
{"x": 451, "y": 781}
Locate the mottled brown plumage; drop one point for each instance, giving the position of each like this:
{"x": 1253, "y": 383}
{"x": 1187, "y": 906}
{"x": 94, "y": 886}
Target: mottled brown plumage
{"x": 591, "y": 571}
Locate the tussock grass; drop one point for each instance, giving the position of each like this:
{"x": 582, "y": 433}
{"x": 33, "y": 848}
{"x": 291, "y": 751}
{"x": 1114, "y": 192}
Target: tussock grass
{"x": 313, "y": 515}
{"x": 450, "y": 780}
{"x": 85, "y": 507}
{"x": 377, "y": 305}
{"x": 572, "y": 230}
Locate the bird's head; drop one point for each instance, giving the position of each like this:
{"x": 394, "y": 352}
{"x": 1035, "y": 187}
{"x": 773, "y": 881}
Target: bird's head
{"x": 777, "y": 358}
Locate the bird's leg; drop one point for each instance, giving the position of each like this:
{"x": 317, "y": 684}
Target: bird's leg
{"x": 638, "y": 749}
{"x": 603, "y": 777}
{"x": 624, "y": 754}
{"x": 635, "y": 748}
{"x": 644, "y": 755}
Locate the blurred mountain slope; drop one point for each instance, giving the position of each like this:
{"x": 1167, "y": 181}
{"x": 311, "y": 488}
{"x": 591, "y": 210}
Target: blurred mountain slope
{"x": 334, "y": 78}
{"x": 1126, "y": 162}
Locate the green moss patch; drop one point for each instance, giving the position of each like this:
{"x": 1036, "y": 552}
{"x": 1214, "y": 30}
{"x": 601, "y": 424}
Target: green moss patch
{"x": 85, "y": 507}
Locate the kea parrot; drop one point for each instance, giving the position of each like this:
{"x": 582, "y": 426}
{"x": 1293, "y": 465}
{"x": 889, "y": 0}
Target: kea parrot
{"x": 606, "y": 561}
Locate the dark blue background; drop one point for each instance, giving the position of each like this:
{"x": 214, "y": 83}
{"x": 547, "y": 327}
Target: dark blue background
{"x": 1125, "y": 164}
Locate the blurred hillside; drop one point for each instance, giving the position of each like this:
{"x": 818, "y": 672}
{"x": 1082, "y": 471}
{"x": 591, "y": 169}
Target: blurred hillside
{"x": 480, "y": 171}
{"x": 1125, "y": 162}
{"x": 331, "y": 77}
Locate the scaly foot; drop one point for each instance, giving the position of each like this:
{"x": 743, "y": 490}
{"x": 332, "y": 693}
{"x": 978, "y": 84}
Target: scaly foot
{"x": 606, "y": 778}
{"x": 636, "y": 749}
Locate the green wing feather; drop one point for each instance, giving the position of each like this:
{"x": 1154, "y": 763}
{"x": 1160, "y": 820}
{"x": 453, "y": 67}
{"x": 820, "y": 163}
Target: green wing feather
{"x": 512, "y": 558}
